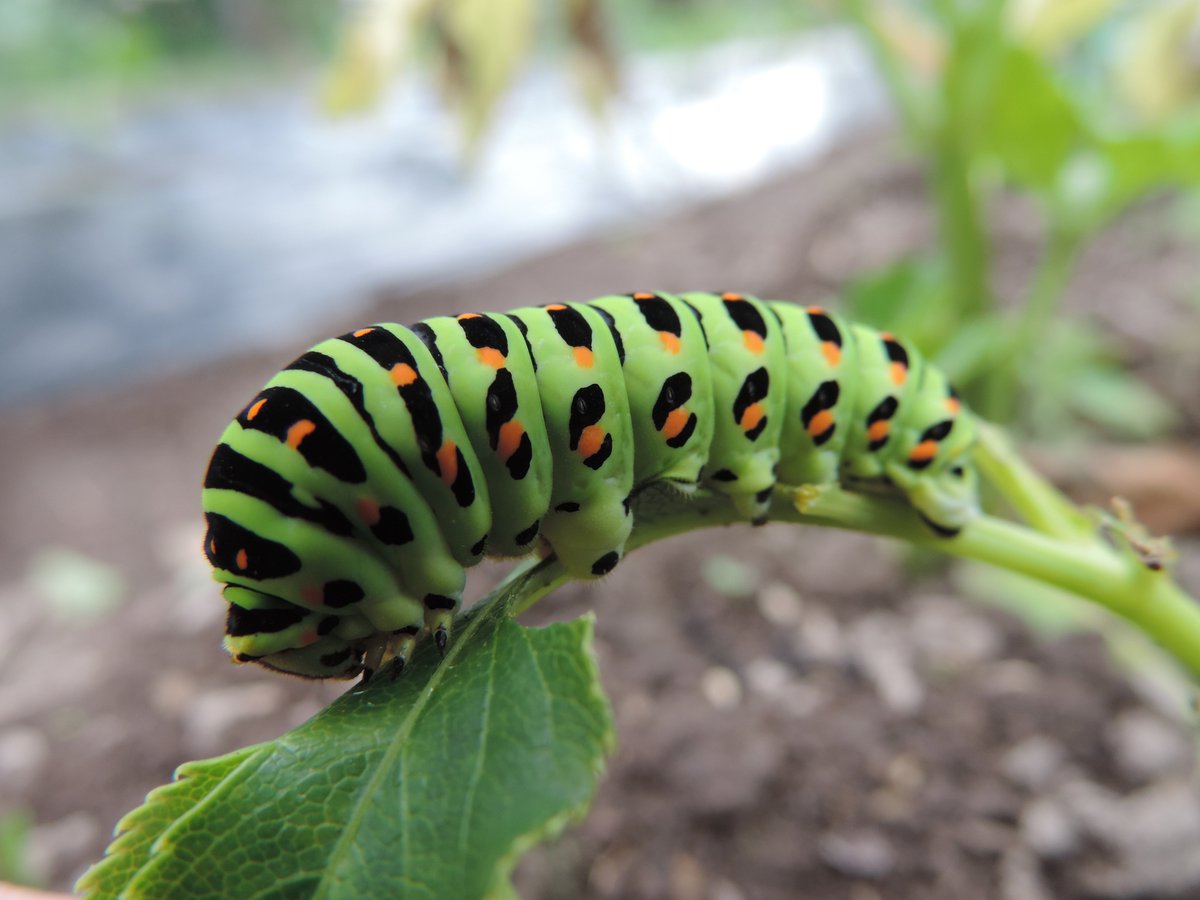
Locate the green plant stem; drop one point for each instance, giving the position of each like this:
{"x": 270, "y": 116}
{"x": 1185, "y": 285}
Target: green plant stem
{"x": 1033, "y": 498}
{"x": 960, "y": 222}
{"x": 1061, "y": 546}
{"x": 1091, "y": 568}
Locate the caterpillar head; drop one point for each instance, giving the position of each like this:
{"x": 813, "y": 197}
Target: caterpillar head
{"x": 946, "y": 497}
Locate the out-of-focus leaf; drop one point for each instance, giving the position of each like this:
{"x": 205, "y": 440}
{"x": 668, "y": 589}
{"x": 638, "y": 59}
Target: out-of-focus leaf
{"x": 1030, "y": 126}
{"x": 910, "y": 297}
{"x": 1076, "y": 378}
{"x": 1161, "y": 72}
{"x": 1123, "y": 405}
{"x": 373, "y": 45}
{"x": 971, "y": 351}
{"x": 593, "y": 61}
{"x": 1049, "y": 25}
{"x": 489, "y": 40}
{"x": 15, "y": 864}
{"x": 910, "y": 37}
{"x": 76, "y": 586}
{"x": 1115, "y": 171}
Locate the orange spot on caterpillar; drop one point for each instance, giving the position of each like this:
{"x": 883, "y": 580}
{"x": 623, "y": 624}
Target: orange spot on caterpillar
{"x": 753, "y": 341}
{"x": 731, "y": 296}
{"x": 669, "y": 341}
{"x": 362, "y": 332}
{"x": 643, "y": 295}
{"x": 879, "y": 430}
{"x": 584, "y": 358}
{"x": 212, "y": 546}
{"x": 312, "y": 595}
{"x": 509, "y": 439}
{"x": 368, "y": 510}
{"x": 953, "y": 405}
{"x": 820, "y": 423}
{"x": 924, "y": 450}
{"x": 676, "y": 420}
{"x": 464, "y": 316}
{"x": 887, "y": 335}
{"x": 242, "y": 559}
{"x": 816, "y": 310}
{"x": 490, "y": 356}
{"x": 254, "y": 410}
{"x": 590, "y": 441}
{"x": 555, "y": 307}
{"x": 403, "y": 374}
{"x": 447, "y": 458}
{"x": 832, "y": 352}
{"x": 309, "y": 637}
{"x": 752, "y": 416}
{"x": 299, "y": 432}
{"x": 898, "y": 372}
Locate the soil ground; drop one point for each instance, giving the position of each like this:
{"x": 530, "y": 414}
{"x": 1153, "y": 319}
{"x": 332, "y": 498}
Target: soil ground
{"x": 836, "y": 722}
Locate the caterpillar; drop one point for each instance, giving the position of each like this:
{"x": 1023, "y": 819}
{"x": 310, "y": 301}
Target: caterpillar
{"x": 346, "y": 500}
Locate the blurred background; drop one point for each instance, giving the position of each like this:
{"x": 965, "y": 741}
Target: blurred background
{"x": 191, "y": 191}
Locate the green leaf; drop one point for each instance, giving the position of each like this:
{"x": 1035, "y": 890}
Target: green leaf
{"x": 137, "y": 831}
{"x": 429, "y": 785}
{"x": 910, "y": 297}
{"x": 1031, "y": 128}
{"x": 1116, "y": 400}
{"x": 486, "y": 42}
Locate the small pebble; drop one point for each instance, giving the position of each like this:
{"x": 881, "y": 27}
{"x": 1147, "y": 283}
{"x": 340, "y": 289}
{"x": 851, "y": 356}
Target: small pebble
{"x": 23, "y": 754}
{"x": 861, "y": 854}
{"x": 882, "y": 653}
{"x": 723, "y": 889}
{"x": 1033, "y": 762}
{"x": 820, "y": 636}
{"x": 1048, "y": 830}
{"x": 1021, "y": 877}
{"x": 768, "y": 677}
{"x": 1146, "y": 745}
{"x": 780, "y": 604}
{"x": 687, "y": 878}
{"x": 721, "y": 688}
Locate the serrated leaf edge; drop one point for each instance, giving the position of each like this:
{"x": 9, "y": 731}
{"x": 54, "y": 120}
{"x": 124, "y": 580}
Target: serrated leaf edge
{"x": 131, "y": 825}
{"x": 501, "y": 884}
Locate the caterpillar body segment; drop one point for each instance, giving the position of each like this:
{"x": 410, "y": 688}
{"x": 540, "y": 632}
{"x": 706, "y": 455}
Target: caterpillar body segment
{"x": 346, "y": 500}
{"x": 579, "y": 375}
{"x": 489, "y": 369}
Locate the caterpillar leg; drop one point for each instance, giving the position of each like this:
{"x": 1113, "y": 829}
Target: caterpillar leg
{"x": 404, "y": 642}
{"x": 375, "y": 646}
{"x": 438, "y": 621}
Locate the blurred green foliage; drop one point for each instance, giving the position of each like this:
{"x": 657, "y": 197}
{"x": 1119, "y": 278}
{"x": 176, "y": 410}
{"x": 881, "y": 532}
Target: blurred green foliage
{"x": 1085, "y": 107}
{"x": 15, "y": 828}
{"x": 50, "y": 48}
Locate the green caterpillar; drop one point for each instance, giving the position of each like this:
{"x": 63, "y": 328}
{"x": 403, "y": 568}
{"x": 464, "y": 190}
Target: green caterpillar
{"x": 345, "y": 502}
